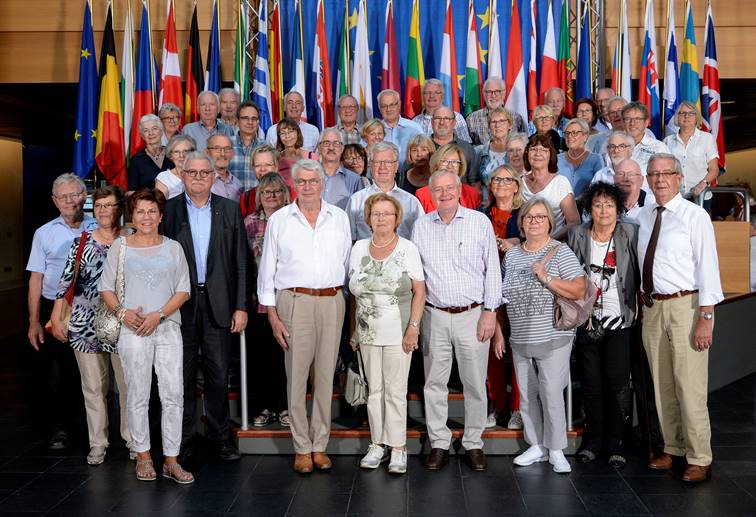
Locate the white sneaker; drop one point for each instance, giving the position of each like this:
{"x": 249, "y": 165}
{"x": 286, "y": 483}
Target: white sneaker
{"x": 96, "y": 455}
{"x": 491, "y": 420}
{"x": 534, "y": 454}
{"x": 515, "y": 421}
{"x": 398, "y": 463}
{"x": 376, "y": 455}
{"x": 559, "y": 462}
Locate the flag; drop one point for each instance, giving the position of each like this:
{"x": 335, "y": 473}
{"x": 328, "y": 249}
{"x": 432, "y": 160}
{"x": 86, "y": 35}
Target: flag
{"x": 564, "y": 70}
{"x": 127, "y": 79}
{"x": 297, "y": 58}
{"x": 276, "y": 70}
{"x": 345, "y": 55}
{"x": 690, "y": 86}
{"x": 261, "y": 79}
{"x": 671, "y": 75}
{"x": 413, "y": 99}
{"x": 170, "y": 80}
{"x": 584, "y": 77}
{"x": 517, "y": 98}
{"x": 710, "y": 100}
{"x": 195, "y": 81}
{"x": 390, "y": 78}
{"x": 85, "y": 133}
{"x": 111, "y": 150}
{"x": 361, "y": 79}
{"x": 473, "y": 77}
{"x": 549, "y": 68}
{"x": 241, "y": 58}
{"x": 213, "y": 72}
{"x": 494, "y": 68}
{"x": 144, "y": 85}
{"x": 448, "y": 73}
{"x": 648, "y": 78}
{"x": 621, "y": 63}
{"x": 532, "y": 72}
{"x": 321, "y": 73}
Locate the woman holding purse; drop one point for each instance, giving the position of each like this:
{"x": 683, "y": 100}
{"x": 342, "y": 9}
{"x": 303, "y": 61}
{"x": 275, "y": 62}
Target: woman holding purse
{"x": 77, "y": 298}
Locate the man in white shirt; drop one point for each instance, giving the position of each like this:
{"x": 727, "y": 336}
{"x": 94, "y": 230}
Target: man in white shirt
{"x": 630, "y": 181}
{"x": 304, "y": 264}
{"x": 433, "y": 97}
{"x": 619, "y": 147}
{"x": 635, "y": 119}
{"x": 601, "y": 97}
{"x": 680, "y": 287}
{"x": 293, "y": 109}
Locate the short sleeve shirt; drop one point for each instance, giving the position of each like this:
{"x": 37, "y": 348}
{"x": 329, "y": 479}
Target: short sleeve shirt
{"x": 556, "y": 190}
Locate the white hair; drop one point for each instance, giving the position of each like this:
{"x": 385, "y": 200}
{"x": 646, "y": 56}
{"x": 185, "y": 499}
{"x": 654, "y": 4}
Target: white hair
{"x": 65, "y": 179}
{"x": 307, "y": 164}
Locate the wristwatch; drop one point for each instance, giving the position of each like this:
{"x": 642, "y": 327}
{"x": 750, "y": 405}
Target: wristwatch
{"x": 486, "y": 309}
{"x": 414, "y": 324}
{"x": 549, "y": 278}
{"x": 706, "y": 315}
{"x": 162, "y": 315}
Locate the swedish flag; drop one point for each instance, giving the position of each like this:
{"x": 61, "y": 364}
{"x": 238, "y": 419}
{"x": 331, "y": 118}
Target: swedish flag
{"x": 85, "y": 134}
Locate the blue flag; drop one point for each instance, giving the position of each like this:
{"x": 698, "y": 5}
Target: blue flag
{"x": 261, "y": 73}
{"x": 584, "y": 75}
{"x": 85, "y": 135}
{"x": 212, "y": 74}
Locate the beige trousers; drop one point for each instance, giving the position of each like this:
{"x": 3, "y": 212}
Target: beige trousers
{"x": 95, "y": 383}
{"x": 314, "y": 325}
{"x": 681, "y": 377}
{"x": 387, "y": 370}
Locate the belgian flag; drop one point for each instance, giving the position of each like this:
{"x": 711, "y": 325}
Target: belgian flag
{"x": 195, "y": 82}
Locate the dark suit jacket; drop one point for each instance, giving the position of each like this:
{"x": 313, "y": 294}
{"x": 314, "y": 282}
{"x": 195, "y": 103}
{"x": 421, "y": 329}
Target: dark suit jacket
{"x": 226, "y": 278}
{"x": 626, "y": 250}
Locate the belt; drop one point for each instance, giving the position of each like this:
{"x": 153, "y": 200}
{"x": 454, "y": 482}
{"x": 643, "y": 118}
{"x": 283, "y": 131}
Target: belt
{"x": 201, "y": 288}
{"x": 328, "y": 291}
{"x": 678, "y": 294}
{"x": 455, "y": 310}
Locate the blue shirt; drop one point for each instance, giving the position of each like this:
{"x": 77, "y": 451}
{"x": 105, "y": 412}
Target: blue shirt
{"x": 400, "y": 136}
{"x": 49, "y": 251}
{"x": 200, "y": 220}
{"x": 201, "y": 134}
{"x": 582, "y": 175}
{"x": 240, "y": 164}
{"x": 338, "y": 188}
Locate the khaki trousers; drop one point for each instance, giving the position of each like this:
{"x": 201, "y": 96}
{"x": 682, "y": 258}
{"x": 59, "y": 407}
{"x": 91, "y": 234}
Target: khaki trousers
{"x": 314, "y": 325}
{"x": 94, "y": 370}
{"x": 387, "y": 370}
{"x": 681, "y": 377}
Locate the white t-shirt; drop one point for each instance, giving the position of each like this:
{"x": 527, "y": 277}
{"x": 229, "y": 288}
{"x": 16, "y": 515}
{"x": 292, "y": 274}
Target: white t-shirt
{"x": 604, "y": 275}
{"x": 694, "y": 157}
{"x": 173, "y": 182}
{"x": 554, "y": 192}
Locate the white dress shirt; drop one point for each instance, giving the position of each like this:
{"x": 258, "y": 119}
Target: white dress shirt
{"x": 694, "y": 157}
{"x": 297, "y": 255}
{"x": 686, "y": 252}
{"x": 356, "y": 209}
{"x": 310, "y": 135}
{"x": 644, "y": 150}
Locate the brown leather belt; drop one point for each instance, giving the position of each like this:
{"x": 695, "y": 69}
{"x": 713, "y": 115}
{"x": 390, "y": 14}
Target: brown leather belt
{"x": 328, "y": 291}
{"x": 455, "y": 310}
{"x": 678, "y": 294}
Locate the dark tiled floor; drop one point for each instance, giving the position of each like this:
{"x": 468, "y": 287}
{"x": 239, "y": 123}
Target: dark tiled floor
{"x": 34, "y": 480}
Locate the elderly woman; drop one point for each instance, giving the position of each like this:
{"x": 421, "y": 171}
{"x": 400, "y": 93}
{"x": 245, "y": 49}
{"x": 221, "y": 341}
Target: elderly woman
{"x": 494, "y": 153}
{"x": 155, "y": 277}
{"x": 372, "y": 133}
{"x": 289, "y": 146}
{"x": 170, "y": 116}
{"x": 387, "y": 281}
{"x": 272, "y": 193}
{"x": 544, "y": 182}
{"x": 354, "y": 157}
{"x": 86, "y": 264}
{"x": 607, "y": 248}
{"x": 577, "y": 163}
{"x": 544, "y": 121}
{"x": 588, "y": 110}
{"x": 696, "y": 150}
{"x": 541, "y": 352}
{"x": 451, "y": 158}
{"x": 147, "y": 163}
{"x": 419, "y": 151}
{"x": 170, "y": 182}
{"x": 516, "y": 144}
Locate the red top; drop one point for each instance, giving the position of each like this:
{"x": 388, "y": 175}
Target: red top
{"x": 470, "y": 198}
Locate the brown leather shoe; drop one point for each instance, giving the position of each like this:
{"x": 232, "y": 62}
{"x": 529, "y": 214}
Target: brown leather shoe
{"x": 436, "y": 459}
{"x": 696, "y": 474}
{"x": 663, "y": 462}
{"x": 321, "y": 461}
{"x": 476, "y": 460}
{"x": 303, "y": 463}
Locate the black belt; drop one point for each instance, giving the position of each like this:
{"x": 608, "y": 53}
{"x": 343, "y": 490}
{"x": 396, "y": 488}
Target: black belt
{"x": 201, "y": 288}
{"x": 455, "y": 310}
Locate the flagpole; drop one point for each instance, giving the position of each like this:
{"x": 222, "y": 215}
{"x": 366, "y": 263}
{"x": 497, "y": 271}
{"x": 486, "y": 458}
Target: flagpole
{"x": 94, "y": 166}
{"x": 152, "y": 61}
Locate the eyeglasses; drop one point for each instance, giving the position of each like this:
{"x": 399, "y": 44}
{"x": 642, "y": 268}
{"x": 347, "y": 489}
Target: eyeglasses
{"x": 104, "y": 206}
{"x": 382, "y": 215}
{"x": 538, "y": 218}
{"x": 432, "y": 92}
{"x": 633, "y": 120}
{"x": 573, "y": 133}
{"x": 151, "y": 130}
{"x": 329, "y": 143}
{"x": 286, "y": 132}
{"x": 268, "y": 165}
{"x": 181, "y": 152}
{"x": 661, "y": 174}
{"x": 314, "y": 182}
{"x": 222, "y": 150}
{"x": 686, "y": 114}
{"x": 271, "y": 193}
{"x": 538, "y": 150}
{"x": 193, "y": 173}
{"x": 586, "y": 111}
{"x": 493, "y": 92}
{"x": 622, "y": 175}
{"x": 152, "y": 212}
{"x": 617, "y": 147}
{"x": 602, "y": 206}
{"x": 348, "y": 108}
{"x": 451, "y": 189}
{"x": 444, "y": 119}
{"x": 389, "y": 106}
{"x": 249, "y": 119}
{"x": 499, "y": 180}
{"x": 498, "y": 122}
{"x": 68, "y": 197}
{"x": 383, "y": 163}
{"x": 450, "y": 163}
{"x": 543, "y": 118}
{"x": 172, "y": 118}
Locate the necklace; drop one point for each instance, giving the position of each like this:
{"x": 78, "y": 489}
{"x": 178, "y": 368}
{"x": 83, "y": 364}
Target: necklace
{"x": 535, "y": 251}
{"x": 576, "y": 158}
{"x": 372, "y": 241}
{"x": 600, "y": 239}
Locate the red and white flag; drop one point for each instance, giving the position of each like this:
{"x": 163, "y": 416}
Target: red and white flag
{"x": 170, "y": 78}
{"x": 532, "y": 65}
{"x": 549, "y": 68}
{"x": 517, "y": 95}
{"x": 390, "y": 77}
{"x": 711, "y": 104}
{"x": 321, "y": 70}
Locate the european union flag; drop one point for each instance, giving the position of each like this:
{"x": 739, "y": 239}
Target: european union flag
{"x": 85, "y": 135}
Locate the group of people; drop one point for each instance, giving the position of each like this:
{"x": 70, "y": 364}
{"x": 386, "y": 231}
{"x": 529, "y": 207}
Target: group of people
{"x": 446, "y": 236}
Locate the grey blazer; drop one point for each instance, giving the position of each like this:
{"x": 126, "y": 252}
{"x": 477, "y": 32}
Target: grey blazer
{"x": 626, "y": 250}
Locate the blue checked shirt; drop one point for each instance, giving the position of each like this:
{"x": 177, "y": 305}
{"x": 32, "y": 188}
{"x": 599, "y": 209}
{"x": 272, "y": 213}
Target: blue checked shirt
{"x": 241, "y": 163}
{"x": 460, "y": 126}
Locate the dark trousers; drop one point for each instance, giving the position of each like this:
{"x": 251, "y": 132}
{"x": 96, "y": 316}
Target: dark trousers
{"x": 265, "y": 362}
{"x": 606, "y": 389}
{"x": 643, "y": 386}
{"x": 202, "y": 333}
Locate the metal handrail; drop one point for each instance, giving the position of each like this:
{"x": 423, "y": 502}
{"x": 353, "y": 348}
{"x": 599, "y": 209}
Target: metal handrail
{"x": 243, "y": 368}
{"x": 728, "y": 190}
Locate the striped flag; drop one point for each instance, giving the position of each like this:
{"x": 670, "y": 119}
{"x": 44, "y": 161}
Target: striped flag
{"x": 276, "y": 70}
{"x": 710, "y": 100}
{"x": 549, "y": 68}
{"x": 390, "y": 77}
{"x": 584, "y": 77}
{"x": 564, "y": 70}
{"x": 690, "y": 85}
{"x": 127, "y": 79}
{"x": 671, "y": 74}
{"x": 494, "y": 68}
{"x": 648, "y": 78}
{"x": 321, "y": 73}
{"x": 261, "y": 79}
{"x": 361, "y": 79}
{"x": 473, "y": 76}
{"x": 345, "y": 57}
{"x": 297, "y": 58}
{"x": 213, "y": 71}
{"x": 413, "y": 99}
{"x": 241, "y": 58}
{"x": 621, "y": 63}
{"x": 85, "y": 133}
{"x": 532, "y": 65}
{"x": 448, "y": 73}
{"x": 517, "y": 97}
{"x": 170, "y": 80}
{"x": 144, "y": 84}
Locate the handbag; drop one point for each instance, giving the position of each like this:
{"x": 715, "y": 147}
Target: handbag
{"x": 570, "y": 314}
{"x": 107, "y": 325}
{"x": 594, "y": 331}
{"x": 67, "y": 307}
{"x": 356, "y": 389}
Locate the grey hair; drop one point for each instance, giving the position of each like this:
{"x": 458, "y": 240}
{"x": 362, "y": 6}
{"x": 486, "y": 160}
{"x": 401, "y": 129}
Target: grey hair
{"x": 542, "y": 109}
{"x": 229, "y": 90}
{"x": 690, "y": 105}
{"x": 666, "y": 156}
{"x": 346, "y": 96}
{"x": 522, "y": 137}
{"x": 271, "y": 179}
{"x": 635, "y": 105}
{"x": 168, "y": 106}
{"x": 601, "y": 90}
{"x": 381, "y": 147}
{"x": 555, "y": 89}
{"x": 431, "y": 82}
{"x": 388, "y": 91}
{"x": 528, "y": 206}
{"x": 176, "y": 140}
{"x": 292, "y": 92}
{"x": 150, "y": 117}
{"x": 197, "y": 155}
{"x": 212, "y": 94}
{"x": 495, "y": 79}
{"x": 627, "y": 138}
{"x": 331, "y": 130}
{"x": 67, "y": 178}
{"x": 219, "y": 135}
{"x": 579, "y": 122}
{"x": 307, "y": 164}
{"x": 443, "y": 172}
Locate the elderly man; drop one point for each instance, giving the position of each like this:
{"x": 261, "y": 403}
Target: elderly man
{"x": 613, "y": 114}
{"x": 245, "y": 141}
{"x": 264, "y": 161}
{"x": 170, "y": 116}
{"x": 443, "y": 133}
{"x": 398, "y": 130}
{"x": 304, "y": 264}
{"x": 601, "y": 97}
{"x": 294, "y": 108}
{"x": 384, "y": 162}
{"x": 463, "y": 279}
{"x": 208, "y": 124}
{"x": 494, "y": 92}
{"x": 635, "y": 120}
{"x": 347, "y": 125}
{"x": 229, "y": 105}
{"x": 340, "y": 183}
{"x": 680, "y": 287}
{"x": 49, "y": 251}
{"x": 554, "y": 98}
{"x": 220, "y": 148}
{"x": 619, "y": 147}
{"x": 218, "y": 304}
{"x": 433, "y": 96}
{"x": 628, "y": 177}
